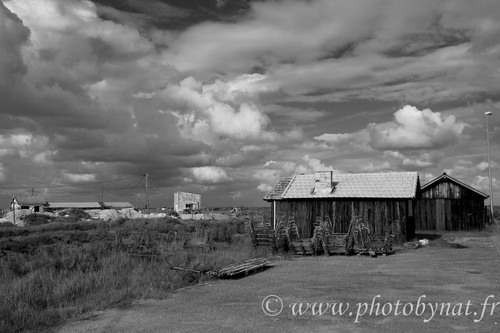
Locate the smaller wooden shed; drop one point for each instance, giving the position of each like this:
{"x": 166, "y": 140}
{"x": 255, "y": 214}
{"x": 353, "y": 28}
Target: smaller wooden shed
{"x": 448, "y": 204}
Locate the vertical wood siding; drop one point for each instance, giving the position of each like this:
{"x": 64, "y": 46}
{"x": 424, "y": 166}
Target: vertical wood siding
{"x": 449, "y": 206}
{"x": 377, "y": 214}
{"x": 450, "y": 214}
{"x": 448, "y": 190}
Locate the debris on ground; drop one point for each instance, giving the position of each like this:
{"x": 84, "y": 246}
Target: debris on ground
{"x": 424, "y": 242}
{"x": 411, "y": 245}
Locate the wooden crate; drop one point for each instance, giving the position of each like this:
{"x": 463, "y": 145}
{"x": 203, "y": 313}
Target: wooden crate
{"x": 303, "y": 247}
{"x": 380, "y": 245}
{"x": 336, "y": 244}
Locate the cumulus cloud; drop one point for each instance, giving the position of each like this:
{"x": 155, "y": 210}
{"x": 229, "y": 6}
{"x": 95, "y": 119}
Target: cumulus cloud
{"x": 358, "y": 141}
{"x": 415, "y": 129}
{"x": 467, "y": 168}
{"x": 483, "y": 166}
{"x": 426, "y": 177}
{"x": 264, "y": 188}
{"x": 415, "y": 160}
{"x": 370, "y": 167}
{"x": 210, "y": 174}
{"x": 411, "y": 129}
{"x": 73, "y": 177}
{"x": 119, "y": 90}
{"x": 209, "y": 112}
{"x": 2, "y": 173}
{"x": 13, "y": 35}
{"x": 482, "y": 183}
{"x": 389, "y": 50}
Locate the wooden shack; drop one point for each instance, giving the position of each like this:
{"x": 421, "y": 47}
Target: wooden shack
{"x": 379, "y": 198}
{"x": 448, "y": 204}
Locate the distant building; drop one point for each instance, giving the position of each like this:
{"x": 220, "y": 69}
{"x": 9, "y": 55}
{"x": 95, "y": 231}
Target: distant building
{"x": 57, "y": 206}
{"x": 449, "y": 204}
{"x": 186, "y": 201}
{"x": 35, "y": 204}
{"x": 116, "y": 205}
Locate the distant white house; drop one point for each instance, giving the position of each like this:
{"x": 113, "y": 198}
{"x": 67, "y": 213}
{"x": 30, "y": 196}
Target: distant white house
{"x": 186, "y": 201}
{"x": 35, "y": 204}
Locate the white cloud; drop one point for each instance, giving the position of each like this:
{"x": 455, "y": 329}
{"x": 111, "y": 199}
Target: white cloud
{"x": 411, "y": 129}
{"x": 220, "y": 110}
{"x": 16, "y": 141}
{"x": 269, "y": 163}
{"x": 73, "y": 177}
{"x": 264, "y": 188}
{"x": 415, "y": 129}
{"x": 315, "y": 164}
{"x": 482, "y": 184}
{"x": 2, "y": 173}
{"x": 483, "y": 166}
{"x": 468, "y": 169}
{"x": 426, "y": 177}
{"x": 210, "y": 174}
{"x": 370, "y": 167}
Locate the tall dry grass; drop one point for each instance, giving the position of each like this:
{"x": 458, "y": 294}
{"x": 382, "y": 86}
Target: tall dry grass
{"x": 57, "y": 271}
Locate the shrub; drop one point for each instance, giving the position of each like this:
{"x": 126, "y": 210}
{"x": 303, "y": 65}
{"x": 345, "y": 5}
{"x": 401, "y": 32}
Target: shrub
{"x": 36, "y": 219}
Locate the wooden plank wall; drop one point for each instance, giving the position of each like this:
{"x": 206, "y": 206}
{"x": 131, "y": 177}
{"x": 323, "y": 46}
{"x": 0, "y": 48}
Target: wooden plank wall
{"x": 450, "y": 214}
{"x": 448, "y": 190}
{"x": 377, "y": 214}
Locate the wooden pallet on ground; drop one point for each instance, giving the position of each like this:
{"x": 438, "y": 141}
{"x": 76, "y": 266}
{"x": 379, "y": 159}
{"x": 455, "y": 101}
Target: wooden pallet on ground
{"x": 241, "y": 268}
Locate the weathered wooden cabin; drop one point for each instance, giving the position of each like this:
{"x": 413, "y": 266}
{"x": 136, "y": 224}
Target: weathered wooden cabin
{"x": 448, "y": 204}
{"x": 379, "y": 198}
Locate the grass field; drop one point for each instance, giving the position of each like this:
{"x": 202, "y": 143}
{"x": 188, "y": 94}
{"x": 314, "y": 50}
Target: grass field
{"x": 55, "y": 271}
{"x": 51, "y": 272}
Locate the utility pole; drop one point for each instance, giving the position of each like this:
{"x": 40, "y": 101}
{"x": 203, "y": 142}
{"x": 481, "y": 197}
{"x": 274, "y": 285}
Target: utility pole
{"x": 147, "y": 195}
{"x": 102, "y": 192}
{"x": 32, "y": 192}
{"x": 489, "y": 113}
{"x": 13, "y": 204}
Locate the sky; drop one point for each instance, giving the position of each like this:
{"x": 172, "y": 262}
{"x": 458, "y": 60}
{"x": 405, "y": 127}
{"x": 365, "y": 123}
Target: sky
{"x": 222, "y": 98}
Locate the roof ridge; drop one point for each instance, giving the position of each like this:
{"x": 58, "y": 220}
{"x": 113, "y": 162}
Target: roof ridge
{"x": 453, "y": 179}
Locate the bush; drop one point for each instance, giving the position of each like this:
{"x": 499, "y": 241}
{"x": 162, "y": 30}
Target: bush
{"x": 36, "y": 219}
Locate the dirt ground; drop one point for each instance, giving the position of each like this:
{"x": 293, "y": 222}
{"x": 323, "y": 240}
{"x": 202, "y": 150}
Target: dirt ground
{"x": 439, "y": 288}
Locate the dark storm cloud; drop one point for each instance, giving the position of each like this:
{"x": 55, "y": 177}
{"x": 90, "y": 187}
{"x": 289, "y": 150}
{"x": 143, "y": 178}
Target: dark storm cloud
{"x": 224, "y": 97}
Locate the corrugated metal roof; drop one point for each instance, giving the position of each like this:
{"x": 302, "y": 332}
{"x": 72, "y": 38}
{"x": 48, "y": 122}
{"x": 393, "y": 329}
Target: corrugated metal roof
{"x": 279, "y": 188}
{"x": 82, "y": 205}
{"x": 354, "y": 185}
{"x": 30, "y": 200}
{"x": 119, "y": 205}
{"x": 444, "y": 176}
